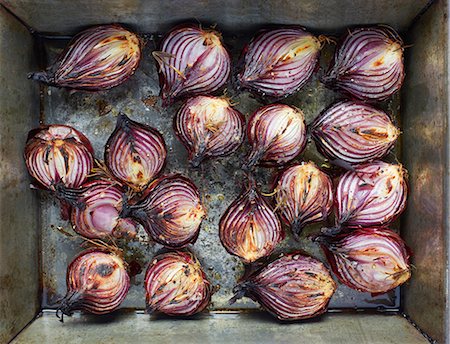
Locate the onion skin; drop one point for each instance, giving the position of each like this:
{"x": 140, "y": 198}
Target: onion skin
{"x": 176, "y": 285}
{"x": 279, "y": 62}
{"x": 97, "y": 283}
{"x": 172, "y": 212}
{"x": 304, "y": 195}
{"x": 96, "y": 59}
{"x": 249, "y": 228}
{"x": 373, "y": 260}
{"x": 192, "y": 61}
{"x": 373, "y": 194}
{"x": 368, "y": 64}
{"x": 353, "y": 132}
{"x": 293, "y": 287}
{"x": 58, "y": 155}
{"x": 209, "y": 127}
{"x": 277, "y": 134}
{"x": 135, "y": 153}
{"x": 96, "y": 214}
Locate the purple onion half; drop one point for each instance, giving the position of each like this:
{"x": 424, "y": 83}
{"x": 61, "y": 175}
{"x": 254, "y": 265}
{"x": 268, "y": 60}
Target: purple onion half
{"x": 373, "y": 260}
{"x": 135, "y": 153}
{"x": 176, "y": 285}
{"x": 192, "y": 61}
{"x": 373, "y": 194}
{"x": 354, "y": 132}
{"x": 368, "y": 64}
{"x": 303, "y": 195}
{"x": 96, "y": 59}
{"x": 171, "y": 211}
{"x": 209, "y": 127}
{"x": 97, "y": 209}
{"x": 293, "y": 287}
{"x": 58, "y": 155}
{"x": 249, "y": 228}
{"x": 277, "y": 134}
{"x": 279, "y": 62}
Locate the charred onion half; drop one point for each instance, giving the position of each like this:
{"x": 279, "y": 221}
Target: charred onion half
{"x": 97, "y": 282}
{"x": 354, "y": 132}
{"x": 249, "y": 227}
{"x": 96, "y": 210}
{"x": 192, "y": 61}
{"x": 368, "y": 64}
{"x": 209, "y": 127}
{"x": 373, "y": 260}
{"x": 171, "y": 212}
{"x": 293, "y": 287}
{"x": 135, "y": 153}
{"x": 96, "y": 59}
{"x": 58, "y": 155}
{"x": 176, "y": 285}
{"x": 279, "y": 62}
{"x": 277, "y": 134}
{"x": 303, "y": 195}
{"x": 373, "y": 194}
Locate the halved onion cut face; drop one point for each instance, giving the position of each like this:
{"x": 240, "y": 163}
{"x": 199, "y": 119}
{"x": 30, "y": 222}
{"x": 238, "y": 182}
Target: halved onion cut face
{"x": 192, "y": 61}
{"x": 279, "y": 62}
{"x": 368, "y": 65}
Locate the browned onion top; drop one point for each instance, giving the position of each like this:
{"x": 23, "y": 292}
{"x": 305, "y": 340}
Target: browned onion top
{"x": 292, "y": 287}
{"x": 172, "y": 211}
{"x": 98, "y": 58}
{"x": 249, "y": 228}
{"x": 192, "y": 61}
{"x": 368, "y": 64}
{"x": 277, "y": 134}
{"x": 279, "y": 62}
{"x": 135, "y": 153}
{"x": 175, "y": 284}
{"x": 58, "y": 154}
{"x": 353, "y": 132}
{"x": 97, "y": 282}
{"x": 303, "y": 195}
{"x": 373, "y": 260}
{"x": 209, "y": 127}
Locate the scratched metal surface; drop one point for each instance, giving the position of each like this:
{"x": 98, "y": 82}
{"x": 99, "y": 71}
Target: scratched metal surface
{"x": 220, "y": 181}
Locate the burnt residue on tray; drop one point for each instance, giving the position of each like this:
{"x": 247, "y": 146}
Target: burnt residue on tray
{"x": 220, "y": 181}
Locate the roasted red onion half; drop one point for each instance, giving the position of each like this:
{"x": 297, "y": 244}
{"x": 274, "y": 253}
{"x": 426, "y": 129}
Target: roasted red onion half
{"x": 192, "y": 61}
{"x": 354, "y": 132}
{"x": 303, "y": 195}
{"x": 369, "y": 64}
{"x": 249, "y": 227}
{"x": 373, "y": 260}
{"x": 277, "y": 134}
{"x": 176, "y": 285}
{"x": 96, "y": 59}
{"x": 293, "y": 287}
{"x": 96, "y": 211}
{"x": 135, "y": 153}
{"x": 373, "y": 194}
{"x": 172, "y": 211}
{"x": 97, "y": 282}
{"x": 279, "y": 62}
{"x": 209, "y": 127}
{"x": 58, "y": 155}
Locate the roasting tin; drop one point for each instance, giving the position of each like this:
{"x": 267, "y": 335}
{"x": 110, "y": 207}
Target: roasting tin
{"x": 34, "y": 253}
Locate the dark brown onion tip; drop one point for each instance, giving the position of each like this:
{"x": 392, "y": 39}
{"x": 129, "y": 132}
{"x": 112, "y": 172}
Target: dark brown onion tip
{"x": 41, "y": 77}
{"x": 197, "y": 159}
{"x": 239, "y": 291}
{"x": 67, "y": 304}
